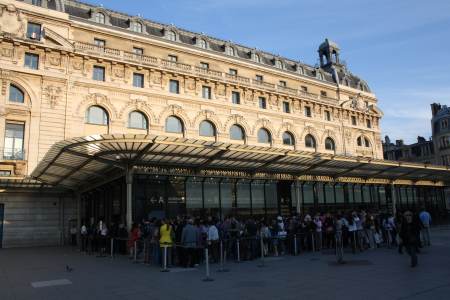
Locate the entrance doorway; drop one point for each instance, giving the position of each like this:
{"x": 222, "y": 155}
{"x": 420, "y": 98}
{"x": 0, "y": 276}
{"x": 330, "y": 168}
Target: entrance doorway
{"x": 284, "y": 197}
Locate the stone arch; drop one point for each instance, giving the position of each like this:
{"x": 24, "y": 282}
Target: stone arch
{"x": 99, "y": 100}
{"x": 331, "y": 134}
{"x": 177, "y": 111}
{"x": 23, "y": 85}
{"x": 208, "y": 115}
{"x": 139, "y": 105}
{"x": 289, "y": 127}
{"x": 310, "y": 130}
{"x": 239, "y": 120}
{"x": 263, "y": 122}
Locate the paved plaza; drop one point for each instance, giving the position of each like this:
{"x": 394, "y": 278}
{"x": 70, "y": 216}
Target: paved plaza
{"x": 41, "y": 273}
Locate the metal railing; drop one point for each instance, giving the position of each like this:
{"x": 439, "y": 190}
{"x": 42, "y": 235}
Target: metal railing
{"x": 12, "y": 154}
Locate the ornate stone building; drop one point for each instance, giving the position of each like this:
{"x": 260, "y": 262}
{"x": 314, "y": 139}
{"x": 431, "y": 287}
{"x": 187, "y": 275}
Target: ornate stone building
{"x": 440, "y": 123}
{"x": 115, "y": 118}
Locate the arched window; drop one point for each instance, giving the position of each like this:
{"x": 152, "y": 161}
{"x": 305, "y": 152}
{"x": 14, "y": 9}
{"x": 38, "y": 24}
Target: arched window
{"x": 310, "y": 141}
{"x": 329, "y": 144}
{"x": 264, "y": 136}
{"x": 15, "y": 94}
{"x": 202, "y": 43}
{"x": 237, "y": 133}
{"x": 137, "y": 27}
{"x": 257, "y": 58}
{"x": 288, "y": 138}
{"x": 278, "y": 64}
{"x": 136, "y": 119}
{"x": 174, "y": 125}
{"x": 366, "y": 142}
{"x": 100, "y": 18}
{"x": 207, "y": 128}
{"x": 362, "y": 140}
{"x": 96, "y": 115}
{"x": 230, "y": 51}
{"x": 359, "y": 141}
{"x": 171, "y": 35}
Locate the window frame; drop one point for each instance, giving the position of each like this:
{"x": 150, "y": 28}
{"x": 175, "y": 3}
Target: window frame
{"x": 105, "y": 116}
{"x": 291, "y": 138}
{"x": 308, "y": 111}
{"x": 313, "y": 140}
{"x": 96, "y": 74}
{"x": 144, "y": 120}
{"x": 33, "y": 25}
{"x": 262, "y": 102}
{"x": 241, "y": 132}
{"x": 15, "y": 139}
{"x": 141, "y": 78}
{"x": 212, "y": 127}
{"x": 237, "y": 99}
{"x": 208, "y": 93}
{"x": 174, "y": 86}
{"x": 180, "y": 123}
{"x": 333, "y": 143}
{"x": 30, "y": 64}
{"x": 267, "y": 134}
{"x": 286, "y": 107}
{"x": 18, "y": 91}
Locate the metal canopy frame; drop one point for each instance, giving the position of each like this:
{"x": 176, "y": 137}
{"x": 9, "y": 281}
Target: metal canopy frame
{"x": 81, "y": 162}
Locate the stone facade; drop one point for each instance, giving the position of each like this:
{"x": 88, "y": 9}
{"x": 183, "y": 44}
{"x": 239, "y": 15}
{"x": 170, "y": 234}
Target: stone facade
{"x": 60, "y": 91}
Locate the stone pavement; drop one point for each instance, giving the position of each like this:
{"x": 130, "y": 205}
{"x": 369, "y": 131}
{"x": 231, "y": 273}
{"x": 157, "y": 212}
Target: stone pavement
{"x": 40, "y": 273}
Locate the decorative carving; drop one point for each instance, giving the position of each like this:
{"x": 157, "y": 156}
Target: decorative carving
{"x": 77, "y": 65}
{"x": 52, "y": 94}
{"x": 118, "y": 72}
{"x": 156, "y": 77}
{"x": 12, "y": 21}
{"x": 7, "y": 52}
{"x": 190, "y": 84}
{"x": 348, "y": 136}
{"x": 221, "y": 90}
{"x": 98, "y": 99}
{"x": 54, "y": 60}
{"x": 138, "y": 104}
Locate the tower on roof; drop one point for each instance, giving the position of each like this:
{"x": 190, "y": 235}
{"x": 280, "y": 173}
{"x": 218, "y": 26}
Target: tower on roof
{"x": 328, "y": 53}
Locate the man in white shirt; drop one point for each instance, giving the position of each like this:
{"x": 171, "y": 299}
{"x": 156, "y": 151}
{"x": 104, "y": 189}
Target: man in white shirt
{"x": 212, "y": 237}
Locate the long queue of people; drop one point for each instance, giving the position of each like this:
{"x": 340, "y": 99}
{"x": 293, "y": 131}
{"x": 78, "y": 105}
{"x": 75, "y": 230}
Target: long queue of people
{"x": 181, "y": 240}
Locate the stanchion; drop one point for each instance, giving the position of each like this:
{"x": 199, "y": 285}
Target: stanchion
{"x": 339, "y": 250}
{"x": 222, "y": 259}
{"x": 135, "y": 253}
{"x": 208, "y": 275}
{"x": 263, "y": 262}
{"x": 313, "y": 242}
{"x": 238, "y": 251}
{"x": 145, "y": 252}
{"x": 354, "y": 242}
{"x": 295, "y": 244}
{"x": 112, "y": 247}
{"x": 165, "y": 260}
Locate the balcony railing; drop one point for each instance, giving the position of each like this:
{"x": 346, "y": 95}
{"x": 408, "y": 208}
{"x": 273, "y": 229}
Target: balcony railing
{"x": 13, "y": 154}
{"x": 93, "y": 49}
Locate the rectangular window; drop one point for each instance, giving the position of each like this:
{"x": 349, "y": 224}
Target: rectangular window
{"x": 262, "y": 103}
{"x": 36, "y": 2}
{"x": 206, "y": 92}
{"x": 304, "y": 88}
{"x": 99, "y": 43}
{"x": 174, "y": 86}
{"x": 233, "y": 72}
{"x": 308, "y": 112}
{"x": 173, "y": 58}
{"x": 14, "y": 135}
{"x": 327, "y": 115}
{"x": 34, "y": 31}
{"x": 259, "y": 78}
{"x": 204, "y": 65}
{"x": 138, "y": 80}
{"x": 283, "y": 83}
{"x": 368, "y": 123}
{"x": 286, "y": 107}
{"x": 353, "y": 120}
{"x": 138, "y": 51}
{"x": 323, "y": 93}
{"x": 5, "y": 173}
{"x": 235, "y": 97}
{"x": 99, "y": 73}
{"x": 32, "y": 61}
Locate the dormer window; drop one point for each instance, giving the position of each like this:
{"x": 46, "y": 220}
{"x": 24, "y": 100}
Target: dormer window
{"x": 136, "y": 27}
{"x": 300, "y": 70}
{"x": 230, "y": 51}
{"x": 278, "y": 64}
{"x": 171, "y": 35}
{"x": 202, "y": 44}
{"x": 100, "y": 18}
{"x": 319, "y": 76}
{"x": 257, "y": 58}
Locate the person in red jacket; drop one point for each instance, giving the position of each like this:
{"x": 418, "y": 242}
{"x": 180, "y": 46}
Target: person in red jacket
{"x": 134, "y": 236}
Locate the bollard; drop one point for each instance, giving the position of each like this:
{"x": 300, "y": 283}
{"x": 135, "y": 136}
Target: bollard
{"x": 222, "y": 259}
{"x": 208, "y": 275}
{"x": 262, "y": 264}
{"x": 238, "y": 251}
{"x": 165, "y": 260}
{"x": 295, "y": 244}
{"x": 112, "y": 247}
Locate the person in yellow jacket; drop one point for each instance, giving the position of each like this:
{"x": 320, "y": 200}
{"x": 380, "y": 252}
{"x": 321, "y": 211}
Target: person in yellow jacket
{"x": 166, "y": 240}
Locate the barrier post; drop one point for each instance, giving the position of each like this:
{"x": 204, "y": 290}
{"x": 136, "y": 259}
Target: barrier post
{"x": 295, "y": 245}
{"x": 165, "y": 260}
{"x": 238, "y": 251}
{"x": 135, "y": 252}
{"x": 222, "y": 259}
{"x": 145, "y": 252}
{"x": 208, "y": 275}
{"x": 262, "y": 264}
{"x": 112, "y": 247}
{"x": 354, "y": 241}
{"x": 339, "y": 248}
{"x": 313, "y": 242}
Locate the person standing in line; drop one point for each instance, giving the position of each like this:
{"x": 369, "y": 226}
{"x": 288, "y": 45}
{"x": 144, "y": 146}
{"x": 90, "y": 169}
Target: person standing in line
{"x": 425, "y": 220}
{"x": 213, "y": 241}
{"x": 165, "y": 241}
{"x": 409, "y": 233}
{"x": 318, "y": 232}
{"x": 84, "y": 237}
{"x": 189, "y": 239}
{"x": 134, "y": 236}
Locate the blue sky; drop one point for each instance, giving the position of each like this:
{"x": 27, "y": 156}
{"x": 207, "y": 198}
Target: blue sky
{"x": 400, "y": 47}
